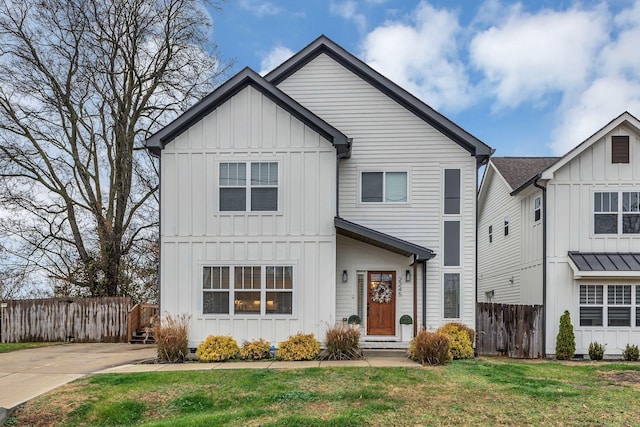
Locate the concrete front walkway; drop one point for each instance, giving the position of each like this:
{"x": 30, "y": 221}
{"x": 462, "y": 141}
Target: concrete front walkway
{"x": 25, "y": 374}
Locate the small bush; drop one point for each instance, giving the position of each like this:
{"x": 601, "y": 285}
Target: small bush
{"x": 172, "y": 338}
{"x": 299, "y": 347}
{"x": 596, "y": 351}
{"x": 430, "y": 348}
{"x": 565, "y": 340}
{"x": 461, "y": 347}
{"x": 342, "y": 343}
{"x": 255, "y": 350}
{"x": 631, "y": 353}
{"x": 217, "y": 348}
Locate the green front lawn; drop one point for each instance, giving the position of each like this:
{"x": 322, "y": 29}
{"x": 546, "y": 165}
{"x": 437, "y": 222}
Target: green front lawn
{"x": 7, "y": 347}
{"x": 475, "y": 392}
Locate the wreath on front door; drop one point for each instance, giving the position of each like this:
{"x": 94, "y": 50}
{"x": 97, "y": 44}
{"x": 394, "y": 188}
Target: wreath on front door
{"x": 381, "y": 293}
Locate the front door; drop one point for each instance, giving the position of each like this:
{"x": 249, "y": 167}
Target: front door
{"x": 381, "y": 303}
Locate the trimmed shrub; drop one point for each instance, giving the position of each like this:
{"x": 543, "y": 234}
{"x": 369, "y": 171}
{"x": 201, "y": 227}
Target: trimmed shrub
{"x": 631, "y": 353}
{"x": 405, "y": 319}
{"x": 354, "y": 319}
{"x": 460, "y": 344}
{"x": 172, "y": 338}
{"x": 470, "y": 332}
{"x": 255, "y": 350}
{"x": 566, "y": 340}
{"x": 342, "y": 342}
{"x": 596, "y": 351}
{"x": 299, "y": 347}
{"x": 217, "y": 348}
{"x": 430, "y": 348}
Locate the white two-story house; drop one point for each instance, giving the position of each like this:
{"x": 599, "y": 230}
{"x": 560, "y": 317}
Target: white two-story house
{"x": 323, "y": 190}
{"x": 565, "y": 232}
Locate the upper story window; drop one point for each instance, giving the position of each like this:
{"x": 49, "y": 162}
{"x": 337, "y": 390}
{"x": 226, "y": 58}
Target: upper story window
{"x": 620, "y": 149}
{"x": 537, "y": 209}
{"x": 384, "y": 187}
{"x": 255, "y": 186}
{"x": 452, "y": 191}
{"x": 616, "y": 212}
{"x": 506, "y": 225}
{"x": 490, "y": 233}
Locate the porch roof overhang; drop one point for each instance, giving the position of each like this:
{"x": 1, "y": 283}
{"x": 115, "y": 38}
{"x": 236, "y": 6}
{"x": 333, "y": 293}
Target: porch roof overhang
{"x": 382, "y": 240}
{"x": 603, "y": 265}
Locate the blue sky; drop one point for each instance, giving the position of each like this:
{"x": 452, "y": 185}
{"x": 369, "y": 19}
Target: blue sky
{"x": 533, "y": 78}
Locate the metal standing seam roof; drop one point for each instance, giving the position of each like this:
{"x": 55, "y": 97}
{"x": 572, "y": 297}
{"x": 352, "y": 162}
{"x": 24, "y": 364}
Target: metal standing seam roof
{"x": 602, "y": 261}
{"x": 382, "y": 240}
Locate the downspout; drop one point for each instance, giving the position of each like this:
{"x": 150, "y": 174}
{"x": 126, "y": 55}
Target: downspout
{"x": 424, "y": 294}
{"x": 544, "y": 265}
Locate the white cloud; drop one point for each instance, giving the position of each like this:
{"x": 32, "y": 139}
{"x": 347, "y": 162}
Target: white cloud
{"x": 348, "y": 10}
{"x": 275, "y": 57}
{"x": 260, "y": 8}
{"x": 421, "y": 55}
{"x": 528, "y": 56}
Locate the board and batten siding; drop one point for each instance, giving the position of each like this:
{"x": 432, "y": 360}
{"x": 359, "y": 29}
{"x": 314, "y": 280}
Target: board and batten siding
{"x": 570, "y": 228}
{"x": 388, "y": 137}
{"x": 249, "y": 127}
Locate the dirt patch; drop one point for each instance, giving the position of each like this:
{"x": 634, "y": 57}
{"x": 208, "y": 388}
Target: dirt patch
{"x": 623, "y": 377}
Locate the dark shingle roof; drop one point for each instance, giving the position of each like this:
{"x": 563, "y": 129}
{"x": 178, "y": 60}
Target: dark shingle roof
{"x": 518, "y": 171}
{"x": 593, "y": 261}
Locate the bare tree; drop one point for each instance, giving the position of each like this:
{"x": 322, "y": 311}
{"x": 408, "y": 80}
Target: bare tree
{"x": 82, "y": 83}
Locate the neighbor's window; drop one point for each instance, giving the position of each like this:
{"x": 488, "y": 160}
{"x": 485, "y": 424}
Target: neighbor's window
{"x": 506, "y": 225}
{"x": 255, "y": 186}
{"x": 384, "y": 187}
{"x": 247, "y": 290}
{"x": 451, "y": 295}
{"x": 638, "y": 306}
{"x": 490, "y": 233}
{"x": 452, "y": 191}
{"x": 619, "y": 305}
{"x": 537, "y": 209}
{"x": 591, "y": 304}
{"x": 616, "y": 212}
{"x": 620, "y": 149}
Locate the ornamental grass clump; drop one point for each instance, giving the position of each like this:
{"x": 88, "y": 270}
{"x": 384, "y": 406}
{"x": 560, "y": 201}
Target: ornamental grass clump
{"x": 172, "y": 338}
{"x": 631, "y": 353}
{"x": 565, "y": 340}
{"x": 342, "y": 342}
{"x": 255, "y": 350}
{"x": 299, "y": 347}
{"x": 596, "y": 351}
{"x": 461, "y": 345}
{"x": 217, "y": 348}
{"x": 430, "y": 348}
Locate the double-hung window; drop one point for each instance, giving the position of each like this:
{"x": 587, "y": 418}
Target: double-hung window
{"x": 616, "y": 212}
{"x": 383, "y": 187}
{"x": 537, "y": 209}
{"x": 247, "y": 290}
{"x": 248, "y": 186}
{"x": 591, "y": 305}
{"x": 619, "y": 305}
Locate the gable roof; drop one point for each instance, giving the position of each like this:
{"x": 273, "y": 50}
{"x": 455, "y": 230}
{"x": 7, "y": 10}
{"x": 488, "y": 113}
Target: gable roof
{"x": 519, "y": 172}
{"x": 382, "y": 240}
{"x": 625, "y": 117}
{"x": 247, "y": 77}
{"x": 323, "y": 44}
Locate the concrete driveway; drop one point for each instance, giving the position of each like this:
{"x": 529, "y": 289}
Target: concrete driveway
{"x": 26, "y": 374}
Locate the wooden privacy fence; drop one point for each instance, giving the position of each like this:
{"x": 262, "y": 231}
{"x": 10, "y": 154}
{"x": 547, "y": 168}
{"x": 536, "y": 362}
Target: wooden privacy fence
{"x": 65, "y": 319}
{"x": 509, "y": 330}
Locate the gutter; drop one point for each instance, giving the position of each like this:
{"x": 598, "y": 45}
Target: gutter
{"x": 544, "y": 264}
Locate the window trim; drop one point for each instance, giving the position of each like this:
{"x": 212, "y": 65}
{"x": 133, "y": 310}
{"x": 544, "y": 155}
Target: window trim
{"x": 263, "y": 290}
{"x": 384, "y": 186}
{"x": 248, "y": 185}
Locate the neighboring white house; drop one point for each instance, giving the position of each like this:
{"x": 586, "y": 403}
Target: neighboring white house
{"x": 582, "y": 210}
{"x": 292, "y": 201}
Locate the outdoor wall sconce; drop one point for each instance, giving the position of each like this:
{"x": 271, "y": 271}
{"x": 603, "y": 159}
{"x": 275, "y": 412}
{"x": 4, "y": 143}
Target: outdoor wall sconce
{"x": 345, "y": 276}
{"x": 407, "y": 275}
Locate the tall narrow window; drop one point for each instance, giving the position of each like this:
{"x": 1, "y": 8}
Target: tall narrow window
{"x": 233, "y": 183}
{"x": 451, "y": 295}
{"x": 490, "y": 233}
{"x": 506, "y": 225}
{"x": 247, "y": 290}
{"x": 537, "y": 209}
{"x": 631, "y": 212}
{"x": 264, "y": 186}
{"x": 619, "y": 305}
{"x": 620, "y": 149}
{"x": 451, "y": 243}
{"x": 215, "y": 290}
{"x": 591, "y": 303}
{"x": 452, "y": 191}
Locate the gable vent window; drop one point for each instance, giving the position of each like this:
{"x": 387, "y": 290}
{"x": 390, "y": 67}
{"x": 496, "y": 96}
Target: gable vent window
{"x": 620, "y": 149}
